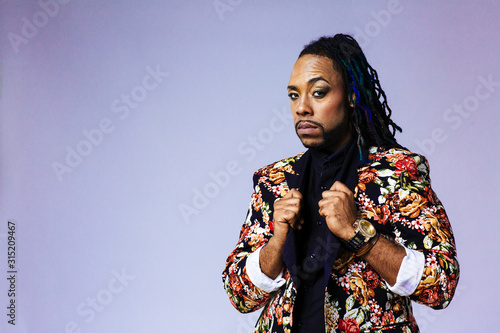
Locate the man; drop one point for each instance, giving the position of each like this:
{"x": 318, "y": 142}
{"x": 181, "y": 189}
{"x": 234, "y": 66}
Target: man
{"x": 342, "y": 237}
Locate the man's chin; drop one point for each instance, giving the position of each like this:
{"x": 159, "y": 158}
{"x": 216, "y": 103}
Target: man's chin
{"x": 311, "y": 143}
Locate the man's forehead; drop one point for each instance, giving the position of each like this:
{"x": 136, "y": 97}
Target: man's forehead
{"x": 310, "y": 67}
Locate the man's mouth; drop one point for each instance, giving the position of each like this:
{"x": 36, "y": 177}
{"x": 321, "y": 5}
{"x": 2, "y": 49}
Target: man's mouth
{"x": 305, "y": 127}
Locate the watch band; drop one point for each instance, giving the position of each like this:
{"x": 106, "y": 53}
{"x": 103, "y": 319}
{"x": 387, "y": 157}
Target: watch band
{"x": 355, "y": 243}
{"x": 368, "y": 246}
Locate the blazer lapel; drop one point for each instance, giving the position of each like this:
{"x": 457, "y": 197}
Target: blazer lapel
{"x": 294, "y": 180}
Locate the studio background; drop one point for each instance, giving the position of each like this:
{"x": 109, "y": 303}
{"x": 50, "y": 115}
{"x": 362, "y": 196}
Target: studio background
{"x": 130, "y": 132}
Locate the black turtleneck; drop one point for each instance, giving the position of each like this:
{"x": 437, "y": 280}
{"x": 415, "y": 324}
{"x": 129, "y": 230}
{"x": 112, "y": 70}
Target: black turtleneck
{"x": 322, "y": 171}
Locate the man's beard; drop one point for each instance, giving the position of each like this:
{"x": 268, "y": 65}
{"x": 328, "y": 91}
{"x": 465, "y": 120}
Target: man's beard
{"x": 330, "y": 138}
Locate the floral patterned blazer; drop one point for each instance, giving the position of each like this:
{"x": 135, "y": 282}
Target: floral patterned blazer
{"x": 394, "y": 193}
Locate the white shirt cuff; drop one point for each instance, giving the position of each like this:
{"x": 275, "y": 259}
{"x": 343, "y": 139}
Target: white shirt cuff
{"x": 410, "y": 273}
{"x": 259, "y": 279}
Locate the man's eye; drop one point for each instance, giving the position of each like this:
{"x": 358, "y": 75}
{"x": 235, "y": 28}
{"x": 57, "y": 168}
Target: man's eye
{"x": 293, "y": 95}
{"x": 320, "y": 93}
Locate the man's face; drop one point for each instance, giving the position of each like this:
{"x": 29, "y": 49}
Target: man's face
{"x": 318, "y": 104}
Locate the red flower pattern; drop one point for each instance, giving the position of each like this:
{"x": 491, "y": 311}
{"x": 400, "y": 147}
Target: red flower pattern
{"x": 349, "y": 325}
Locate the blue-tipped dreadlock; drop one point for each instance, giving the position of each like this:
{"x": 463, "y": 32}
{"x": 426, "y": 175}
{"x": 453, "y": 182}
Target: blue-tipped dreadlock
{"x": 371, "y": 115}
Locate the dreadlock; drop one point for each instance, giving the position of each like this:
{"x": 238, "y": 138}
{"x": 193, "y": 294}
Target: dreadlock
{"x": 371, "y": 116}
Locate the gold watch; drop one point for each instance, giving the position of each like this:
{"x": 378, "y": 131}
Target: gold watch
{"x": 364, "y": 232}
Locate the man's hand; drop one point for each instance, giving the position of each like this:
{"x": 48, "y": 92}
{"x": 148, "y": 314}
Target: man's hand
{"x": 339, "y": 210}
{"x": 287, "y": 214}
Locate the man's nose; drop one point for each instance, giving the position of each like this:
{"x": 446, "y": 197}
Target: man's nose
{"x": 303, "y": 106}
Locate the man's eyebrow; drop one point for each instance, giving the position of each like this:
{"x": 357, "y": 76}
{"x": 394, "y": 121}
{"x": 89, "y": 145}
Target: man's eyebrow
{"x": 316, "y": 79}
{"x": 311, "y": 81}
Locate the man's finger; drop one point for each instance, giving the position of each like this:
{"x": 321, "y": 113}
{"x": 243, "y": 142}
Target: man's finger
{"x": 287, "y": 202}
{"x": 290, "y": 217}
{"x": 299, "y": 223}
{"x": 293, "y": 197}
{"x": 332, "y": 193}
{"x": 295, "y": 193}
{"x": 340, "y": 187}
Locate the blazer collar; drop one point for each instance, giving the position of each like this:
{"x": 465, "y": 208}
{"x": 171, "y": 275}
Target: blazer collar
{"x": 295, "y": 179}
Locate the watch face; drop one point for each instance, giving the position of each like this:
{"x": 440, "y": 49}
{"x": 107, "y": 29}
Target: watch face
{"x": 366, "y": 228}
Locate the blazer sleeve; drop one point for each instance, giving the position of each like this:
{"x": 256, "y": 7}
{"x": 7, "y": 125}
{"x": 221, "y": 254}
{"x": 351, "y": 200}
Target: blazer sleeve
{"x": 420, "y": 222}
{"x": 255, "y": 232}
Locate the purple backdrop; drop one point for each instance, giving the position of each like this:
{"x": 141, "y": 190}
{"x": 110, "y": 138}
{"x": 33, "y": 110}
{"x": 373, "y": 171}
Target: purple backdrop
{"x": 129, "y": 134}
